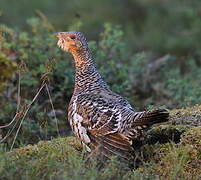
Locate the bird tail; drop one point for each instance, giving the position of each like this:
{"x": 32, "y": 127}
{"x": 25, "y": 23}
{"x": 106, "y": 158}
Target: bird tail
{"x": 148, "y": 118}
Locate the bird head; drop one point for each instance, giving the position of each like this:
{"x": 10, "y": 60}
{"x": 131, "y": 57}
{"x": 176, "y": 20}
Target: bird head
{"x": 71, "y": 41}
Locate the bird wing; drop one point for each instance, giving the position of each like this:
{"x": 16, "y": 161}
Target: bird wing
{"x": 99, "y": 113}
{"x": 96, "y": 120}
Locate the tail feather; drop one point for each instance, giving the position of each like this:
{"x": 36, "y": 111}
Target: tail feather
{"x": 148, "y": 118}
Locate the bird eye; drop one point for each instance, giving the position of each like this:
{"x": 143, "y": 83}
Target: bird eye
{"x": 72, "y": 36}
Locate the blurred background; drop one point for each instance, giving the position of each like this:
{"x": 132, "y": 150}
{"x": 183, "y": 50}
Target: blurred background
{"x": 147, "y": 50}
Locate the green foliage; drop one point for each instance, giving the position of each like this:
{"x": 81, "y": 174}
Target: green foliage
{"x": 184, "y": 89}
{"x": 170, "y": 26}
{"x": 7, "y": 57}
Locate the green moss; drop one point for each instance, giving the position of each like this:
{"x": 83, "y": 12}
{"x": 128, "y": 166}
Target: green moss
{"x": 175, "y": 161}
{"x": 43, "y": 160}
{"x": 192, "y": 137}
{"x": 186, "y": 116}
{"x": 62, "y": 158}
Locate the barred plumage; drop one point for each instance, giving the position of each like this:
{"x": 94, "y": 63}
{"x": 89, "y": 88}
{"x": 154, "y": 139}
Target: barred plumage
{"x": 100, "y": 118}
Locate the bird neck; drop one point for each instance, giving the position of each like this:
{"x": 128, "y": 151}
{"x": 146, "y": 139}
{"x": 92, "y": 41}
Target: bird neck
{"x": 82, "y": 58}
{"x": 87, "y": 77}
